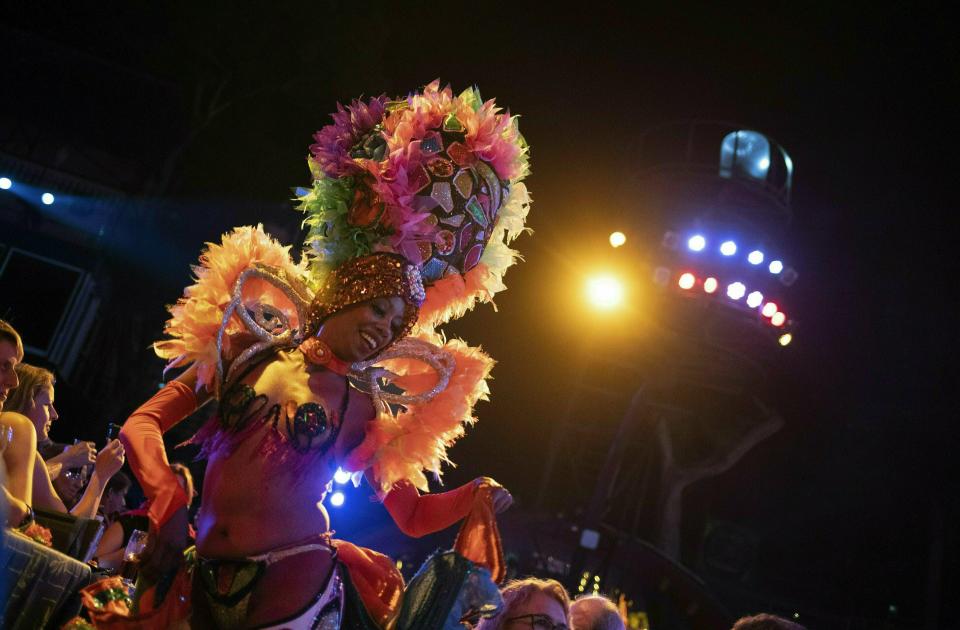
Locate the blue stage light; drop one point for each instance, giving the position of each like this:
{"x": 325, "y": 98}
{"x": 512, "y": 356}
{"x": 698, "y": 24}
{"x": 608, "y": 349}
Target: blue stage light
{"x": 736, "y": 290}
{"x": 728, "y": 248}
{"x": 775, "y": 266}
{"x": 47, "y": 199}
{"x": 697, "y": 242}
{"x": 755, "y": 257}
{"x": 5, "y": 183}
{"x": 337, "y": 499}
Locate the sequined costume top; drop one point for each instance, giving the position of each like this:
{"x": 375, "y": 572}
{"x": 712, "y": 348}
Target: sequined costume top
{"x": 279, "y": 401}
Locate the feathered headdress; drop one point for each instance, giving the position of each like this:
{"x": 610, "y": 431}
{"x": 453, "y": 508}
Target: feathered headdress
{"x": 434, "y": 180}
{"x": 434, "y": 177}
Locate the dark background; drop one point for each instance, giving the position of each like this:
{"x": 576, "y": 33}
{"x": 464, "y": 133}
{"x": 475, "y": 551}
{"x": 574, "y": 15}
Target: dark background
{"x": 201, "y": 114}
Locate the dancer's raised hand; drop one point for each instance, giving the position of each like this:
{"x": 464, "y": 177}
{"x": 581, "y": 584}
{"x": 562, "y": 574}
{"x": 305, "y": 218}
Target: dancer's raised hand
{"x": 499, "y": 496}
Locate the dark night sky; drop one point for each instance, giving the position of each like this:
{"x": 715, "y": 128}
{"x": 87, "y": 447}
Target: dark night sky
{"x": 857, "y": 94}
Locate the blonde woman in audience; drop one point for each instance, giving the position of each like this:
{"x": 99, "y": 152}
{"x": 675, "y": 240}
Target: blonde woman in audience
{"x": 34, "y": 400}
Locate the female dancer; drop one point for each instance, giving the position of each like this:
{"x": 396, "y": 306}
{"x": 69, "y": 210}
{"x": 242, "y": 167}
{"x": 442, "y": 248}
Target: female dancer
{"x": 408, "y": 193}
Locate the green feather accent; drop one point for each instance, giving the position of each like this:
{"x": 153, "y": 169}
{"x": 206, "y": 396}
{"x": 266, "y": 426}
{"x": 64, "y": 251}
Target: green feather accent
{"x": 331, "y": 239}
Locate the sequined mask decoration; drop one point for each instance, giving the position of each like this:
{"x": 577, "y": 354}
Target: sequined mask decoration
{"x": 357, "y": 280}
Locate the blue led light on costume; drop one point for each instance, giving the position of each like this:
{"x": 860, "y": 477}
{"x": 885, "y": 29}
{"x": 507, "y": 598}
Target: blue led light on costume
{"x": 6, "y": 183}
{"x": 755, "y": 257}
{"x": 697, "y": 242}
{"x": 775, "y": 266}
{"x": 337, "y": 499}
{"x": 47, "y": 199}
{"x": 341, "y": 476}
{"x": 728, "y": 248}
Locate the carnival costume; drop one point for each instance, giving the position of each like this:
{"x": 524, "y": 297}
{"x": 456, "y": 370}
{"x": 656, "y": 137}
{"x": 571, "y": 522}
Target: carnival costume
{"x": 417, "y": 198}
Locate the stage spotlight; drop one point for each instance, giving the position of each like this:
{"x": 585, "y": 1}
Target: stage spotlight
{"x": 341, "y": 476}
{"x": 687, "y": 281}
{"x": 785, "y": 339}
{"x": 755, "y": 299}
{"x": 337, "y": 499}
{"x": 728, "y": 248}
{"x": 710, "y": 285}
{"x": 736, "y": 290}
{"x": 778, "y": 319}
{"x": 617, "y": 239}
{"x": 47, "y": 199}
{"x": 5, "y": 183}
{"x": 755, "y": 257}
{"x": 605, "y": 292}
{"x": 769, "y": 309}
{"x": 697, "y": 242}
{"x": 775, "y": 266}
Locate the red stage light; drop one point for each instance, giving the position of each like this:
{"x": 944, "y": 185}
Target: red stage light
{"x": 687, "y": 281}
{"x": 710, "y": 285}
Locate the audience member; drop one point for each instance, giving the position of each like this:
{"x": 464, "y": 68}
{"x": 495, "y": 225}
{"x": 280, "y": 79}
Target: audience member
{"x": 766, "y": 621}
{"x": 531, "y": 604}
{"x": 114, "y": 502}
{"x": 595, "y": 612}
{"x": 109, "y": 553}
{"x": 38, "y": 586}
{"x": 34, "y": 398}
{"x": 18, "y": 439}
{"x": 11, "y": 354}
{"x": 35, "y": 403}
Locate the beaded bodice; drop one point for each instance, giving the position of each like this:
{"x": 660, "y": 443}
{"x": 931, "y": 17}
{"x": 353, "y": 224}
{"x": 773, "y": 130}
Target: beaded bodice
{"x": 281, "y": 402}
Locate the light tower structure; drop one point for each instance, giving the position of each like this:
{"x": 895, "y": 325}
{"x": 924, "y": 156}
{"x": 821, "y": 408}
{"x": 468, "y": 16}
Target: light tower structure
{"x": 653, "y": 414}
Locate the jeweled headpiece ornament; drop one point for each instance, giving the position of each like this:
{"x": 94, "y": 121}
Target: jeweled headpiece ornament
{"x": 417, "y": 197}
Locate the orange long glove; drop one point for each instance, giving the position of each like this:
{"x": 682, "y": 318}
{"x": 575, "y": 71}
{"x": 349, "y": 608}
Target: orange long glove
{"x": 420, "y": 514}
{"x": 478, "y": 539}
{"x": 142, "y": 437}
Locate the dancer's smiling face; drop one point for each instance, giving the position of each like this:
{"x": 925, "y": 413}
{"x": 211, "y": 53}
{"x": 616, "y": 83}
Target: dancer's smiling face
{"x": 362, "y": 330}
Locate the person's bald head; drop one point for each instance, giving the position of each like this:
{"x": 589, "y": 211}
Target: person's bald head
{"x": 595, "y": 612}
